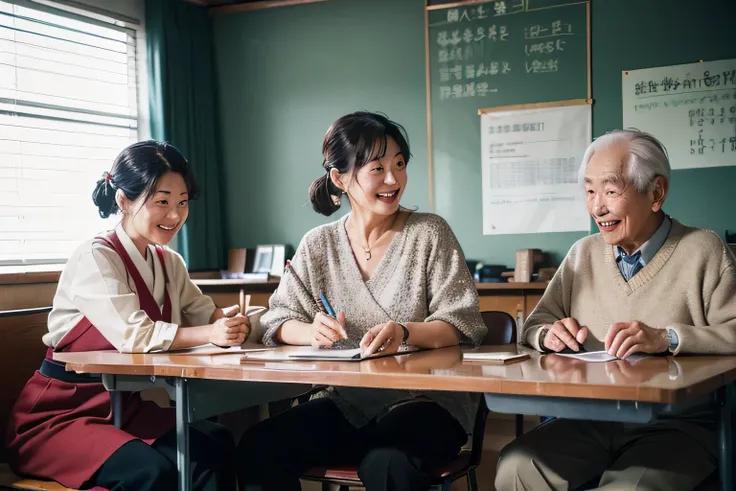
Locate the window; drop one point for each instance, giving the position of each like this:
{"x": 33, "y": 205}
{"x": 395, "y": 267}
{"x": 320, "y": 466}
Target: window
{"x": 68, "y": 106}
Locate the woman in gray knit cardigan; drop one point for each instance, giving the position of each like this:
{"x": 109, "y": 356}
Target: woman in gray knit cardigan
{"x": 394, "y": 277}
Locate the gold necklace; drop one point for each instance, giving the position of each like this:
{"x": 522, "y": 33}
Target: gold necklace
{"x": 367, "y": 249}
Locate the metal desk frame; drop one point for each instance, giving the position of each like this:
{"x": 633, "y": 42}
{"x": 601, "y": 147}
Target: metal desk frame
{"x": 198, "y": 399}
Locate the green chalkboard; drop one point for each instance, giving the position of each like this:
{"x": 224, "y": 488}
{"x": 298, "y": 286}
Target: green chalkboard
{"x": 489, "y": 55}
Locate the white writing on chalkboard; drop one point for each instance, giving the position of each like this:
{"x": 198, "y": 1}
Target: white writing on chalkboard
{"x": 692, "y": 108}
{"x": 549, "y": 47}
{"x": 481, "y": 12}
{"x": 537, "y": 66}
{"x": 459, "y": 91}
{"x": 557, "y": 28}
{"x": 464, "y": 68}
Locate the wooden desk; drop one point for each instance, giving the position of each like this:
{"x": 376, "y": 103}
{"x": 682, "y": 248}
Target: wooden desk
{"x": 544, "y": 385}
{"x": 665, "y": 380}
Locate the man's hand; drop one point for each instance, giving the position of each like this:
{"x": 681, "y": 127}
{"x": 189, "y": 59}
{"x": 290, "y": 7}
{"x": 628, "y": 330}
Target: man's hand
{"x": 564, "y": 333}
{"x": 626, "y": 338}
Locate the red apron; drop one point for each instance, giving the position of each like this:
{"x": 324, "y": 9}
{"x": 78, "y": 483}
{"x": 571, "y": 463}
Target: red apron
{"x": 64, "y": 431}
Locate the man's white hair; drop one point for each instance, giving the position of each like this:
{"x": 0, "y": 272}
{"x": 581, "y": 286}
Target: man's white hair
{"x": 647, "y": 157}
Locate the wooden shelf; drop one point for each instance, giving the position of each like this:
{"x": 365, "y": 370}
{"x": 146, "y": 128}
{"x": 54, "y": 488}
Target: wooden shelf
{"x": 29, "y": 277}
{"x": 512, "y": 286}
{"x": 210, "y": 286}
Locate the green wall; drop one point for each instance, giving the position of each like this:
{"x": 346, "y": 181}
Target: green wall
{"x": 286, "y": 74}
{"x": 632, "y": 34}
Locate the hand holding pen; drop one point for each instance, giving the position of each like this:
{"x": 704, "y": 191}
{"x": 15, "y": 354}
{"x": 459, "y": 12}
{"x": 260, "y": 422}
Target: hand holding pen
{"x": 328, "y": 329}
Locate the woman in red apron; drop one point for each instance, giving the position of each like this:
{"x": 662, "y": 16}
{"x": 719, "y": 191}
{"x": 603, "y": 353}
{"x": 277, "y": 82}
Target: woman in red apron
{"x": 124, "y": 291}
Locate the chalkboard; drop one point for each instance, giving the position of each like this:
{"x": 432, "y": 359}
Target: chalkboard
{"x": 495, "y": 54}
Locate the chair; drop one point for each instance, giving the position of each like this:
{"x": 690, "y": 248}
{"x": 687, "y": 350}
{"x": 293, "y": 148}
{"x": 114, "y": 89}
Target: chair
{"x": 501, "y": 330}
{"x": 19, "y": 358}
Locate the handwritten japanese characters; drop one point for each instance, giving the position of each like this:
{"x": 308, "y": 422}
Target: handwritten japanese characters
{"x": 691, "y": 108}
{"x": 474, "y": 48}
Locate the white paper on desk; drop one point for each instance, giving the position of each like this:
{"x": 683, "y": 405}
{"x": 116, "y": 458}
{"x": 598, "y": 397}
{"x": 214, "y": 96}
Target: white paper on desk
{"x": 211, "y": 349}
{"x": 272, "y": 355}
{"x": 601, "y": 356}
{"x": 290, "y": 366}
{"x": 343, "y": 354}
{"x": 326, "y": 354}
{"x": 485, "y": 356}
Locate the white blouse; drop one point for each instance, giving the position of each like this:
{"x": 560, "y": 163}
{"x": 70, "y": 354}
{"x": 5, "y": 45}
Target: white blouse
{"x": 96, "y": 285}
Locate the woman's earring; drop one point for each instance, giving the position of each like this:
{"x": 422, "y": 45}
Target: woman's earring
{"x": 336, "y": 200}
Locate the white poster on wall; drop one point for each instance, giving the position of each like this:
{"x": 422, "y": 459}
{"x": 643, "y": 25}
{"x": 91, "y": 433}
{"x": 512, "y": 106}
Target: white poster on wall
{"x": 690, "y": 108}
{"x": 530, "y": 168}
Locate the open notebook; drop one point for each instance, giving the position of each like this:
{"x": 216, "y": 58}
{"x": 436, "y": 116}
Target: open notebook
{"x": 310, "y": 353}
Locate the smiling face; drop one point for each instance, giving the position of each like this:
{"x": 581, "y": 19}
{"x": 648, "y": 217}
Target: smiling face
{"x": 378, "y": 185}
{"x": 625, "y": 216}
{"x": 157, "y": 219}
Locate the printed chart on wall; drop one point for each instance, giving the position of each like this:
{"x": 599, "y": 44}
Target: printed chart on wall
{"x": 691, "y": 108}
{"x": 530, "y": 161}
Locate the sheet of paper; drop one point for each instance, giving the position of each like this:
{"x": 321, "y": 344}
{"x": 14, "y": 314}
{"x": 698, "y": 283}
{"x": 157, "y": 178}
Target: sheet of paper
{"x": 530, "y": 160}
{"x": 211, "y": 349}
{"x": 274, "y": 355}
{"x": 601, "y": 356}
{"x": 310, "y": 353}
{"x": 327, "y": 354}
{"x": 302, "y": 353}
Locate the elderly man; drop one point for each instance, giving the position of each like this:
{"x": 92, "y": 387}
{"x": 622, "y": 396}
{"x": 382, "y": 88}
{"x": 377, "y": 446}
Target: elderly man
{"x": 645, "y": 284}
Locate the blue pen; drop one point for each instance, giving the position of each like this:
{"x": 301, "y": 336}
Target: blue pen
{"x": 327, "y": 306}
{"x": 331, "y": 312}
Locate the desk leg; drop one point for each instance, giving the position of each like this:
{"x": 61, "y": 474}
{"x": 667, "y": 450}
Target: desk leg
{"x": 182, "y": 434}
{"x": 116, "y": 400}
{"x": 725, "y": 437}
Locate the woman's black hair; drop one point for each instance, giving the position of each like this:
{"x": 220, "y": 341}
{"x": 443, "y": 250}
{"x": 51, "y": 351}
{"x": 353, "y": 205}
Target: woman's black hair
{"x": 136, "y": 172}
{"x": 351, "y": 142}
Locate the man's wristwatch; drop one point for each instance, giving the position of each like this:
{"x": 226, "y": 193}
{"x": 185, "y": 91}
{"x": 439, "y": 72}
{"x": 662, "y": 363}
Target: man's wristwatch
{"x": 673, "y": 339}
{"x": 406, "y": 332}
{"x": 540, "y": 339}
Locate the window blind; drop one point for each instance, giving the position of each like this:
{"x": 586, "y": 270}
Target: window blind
{"x": 68, "y": 106}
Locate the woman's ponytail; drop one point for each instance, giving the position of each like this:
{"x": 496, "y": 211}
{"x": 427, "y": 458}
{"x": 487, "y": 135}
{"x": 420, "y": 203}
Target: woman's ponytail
{"x": 324, "y": 195}
{"x": 104, "y": 196}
